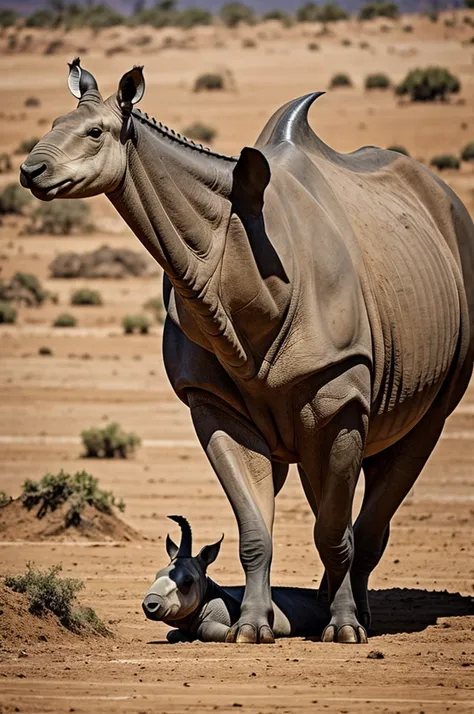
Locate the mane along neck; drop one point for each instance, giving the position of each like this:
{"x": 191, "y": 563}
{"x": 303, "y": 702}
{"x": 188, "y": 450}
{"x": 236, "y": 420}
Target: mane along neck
{"x": 175, "y": 198}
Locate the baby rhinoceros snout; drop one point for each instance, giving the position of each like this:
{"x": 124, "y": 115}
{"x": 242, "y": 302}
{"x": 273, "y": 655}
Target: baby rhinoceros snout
{"x": 154, "y": 606}
{"x": 28, "y": 173}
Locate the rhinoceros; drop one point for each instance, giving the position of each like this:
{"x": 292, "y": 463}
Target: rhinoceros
{"x": 320, "y": 311}
{"x": 186, "y": 598}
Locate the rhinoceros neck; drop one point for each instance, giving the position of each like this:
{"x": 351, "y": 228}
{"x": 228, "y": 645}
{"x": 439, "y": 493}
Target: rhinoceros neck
{"x": 175, "y": 198}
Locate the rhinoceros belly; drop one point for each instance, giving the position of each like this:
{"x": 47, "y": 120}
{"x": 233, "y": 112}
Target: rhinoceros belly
{"x": 415, "y": 332}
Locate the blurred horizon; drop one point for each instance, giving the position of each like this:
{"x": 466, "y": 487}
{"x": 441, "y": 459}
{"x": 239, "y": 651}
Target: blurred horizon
{"x": 260, "y": 6}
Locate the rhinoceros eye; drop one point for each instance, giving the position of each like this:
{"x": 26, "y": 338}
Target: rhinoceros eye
{"x": 95, "y": 132}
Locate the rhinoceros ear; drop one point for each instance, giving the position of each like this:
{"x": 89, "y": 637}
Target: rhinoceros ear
{"x": 131, "y": 88}
{"x": 209, "y": 553}
{"x": 171, "y": 548}
{"x": 251, "y": 176}
{"x": 80, "y": 80}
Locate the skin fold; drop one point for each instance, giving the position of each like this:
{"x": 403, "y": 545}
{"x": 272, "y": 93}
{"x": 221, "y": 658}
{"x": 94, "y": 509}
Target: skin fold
{"x": 320, "y": 311}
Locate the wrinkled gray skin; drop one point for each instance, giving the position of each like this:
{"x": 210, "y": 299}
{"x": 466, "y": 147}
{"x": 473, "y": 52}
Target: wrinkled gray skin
{"x": 320, "y": 312}
{"x": 184, "y": 596}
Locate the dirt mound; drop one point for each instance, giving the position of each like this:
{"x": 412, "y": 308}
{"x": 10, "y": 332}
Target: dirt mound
{"x": 19, "y": 627}
{"x": 17, "y": 523}
{"x": 105, "y": 262}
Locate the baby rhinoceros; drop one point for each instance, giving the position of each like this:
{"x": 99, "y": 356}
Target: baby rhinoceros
{"x": 184, "y": 596}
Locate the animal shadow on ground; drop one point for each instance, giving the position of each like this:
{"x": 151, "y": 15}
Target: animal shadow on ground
{"x": 405, "y": 610}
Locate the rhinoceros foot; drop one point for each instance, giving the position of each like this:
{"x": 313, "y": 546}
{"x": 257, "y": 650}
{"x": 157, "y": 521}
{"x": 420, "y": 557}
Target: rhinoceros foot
{"x": 345, "y": 634}
{"x": 245, "y": 633}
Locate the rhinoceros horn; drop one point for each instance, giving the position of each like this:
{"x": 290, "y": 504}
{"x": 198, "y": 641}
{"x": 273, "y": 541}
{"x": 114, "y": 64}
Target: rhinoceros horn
{"x": 186, "y": 537}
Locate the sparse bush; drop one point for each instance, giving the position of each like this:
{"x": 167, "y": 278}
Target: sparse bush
{"x": 427, "y": 85}
{"x": 5, "y": 164}
{"x": 75, "y": 490}
{"x": 48, "y": 593}
{"x": 200, "y": 132}
{"x": 60, "y": 217}
{"x": 209, "y": 82}
{"x": 40, "y": 18}
{"x": 398, "y": 149}
{"x": 8, "y": 17}
{"x": 193, "y": 17}
{"x": 24, "y": 288}
{"x": 364, "y": 45}
{"x": 233, "y": 13}
{"x": 277, "y": 14}
{"x": 109, "y": 442}
{"x": 378, "y": 8}
{"x": 4, "y": 499}
{"x": 32, "y": 102}
{"x": 307, "y": 12}
{"x": 45, "y": 351}
{"x": 86, "y": 296}
{"x": 65, "y": 319}
{"x": 407, "y": 28}
{"x": 331, "y": 12}
{"x": 346, "y": 43}
{"x": 135, "y": 323}
{"x": 378, "y": 80}
{"x": 27, "y": 145}
{"x": 445, "y": 161}
{"x": 53, "y": 47}
{"x": 105, "y": 262}
{"x": 7, "y": 313}
{"x": 313, "y": 47}
{"x": 248, "y": 43}
{"x": 13, "y": 199}
{"x": 156, "y": 306}
{"x": 467, "y": 154}
{"x": 340, "y": 80}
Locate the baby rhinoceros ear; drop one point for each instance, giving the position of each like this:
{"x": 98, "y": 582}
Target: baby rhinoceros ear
{"x": 171, "y": 548}
{"x": 131, "y": 88}
{"x": 209, "y": 553}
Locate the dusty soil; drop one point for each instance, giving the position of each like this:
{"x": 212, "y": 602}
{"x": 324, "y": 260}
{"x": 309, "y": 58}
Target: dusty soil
{"x": 17, "y": 523}
{"x": 423, "y": 589}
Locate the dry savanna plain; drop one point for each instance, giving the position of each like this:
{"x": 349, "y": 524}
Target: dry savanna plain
{"x": 422, "y": 592}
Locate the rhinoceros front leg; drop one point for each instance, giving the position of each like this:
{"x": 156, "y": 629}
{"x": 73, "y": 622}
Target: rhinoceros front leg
{"x": 329, "y": 477}
{"x": 241, "y": 460}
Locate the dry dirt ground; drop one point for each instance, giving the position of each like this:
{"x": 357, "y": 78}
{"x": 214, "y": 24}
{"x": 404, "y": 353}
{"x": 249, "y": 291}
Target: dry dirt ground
{"x": 422, "y": 590}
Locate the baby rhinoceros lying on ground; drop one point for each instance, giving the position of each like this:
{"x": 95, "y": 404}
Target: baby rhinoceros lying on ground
{"x": 183, "y": 596}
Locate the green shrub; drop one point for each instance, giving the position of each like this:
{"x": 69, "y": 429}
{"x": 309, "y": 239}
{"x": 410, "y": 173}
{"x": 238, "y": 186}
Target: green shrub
{"x": 27, "y": 145}
{"x": 248, "y": 43}
{"x": 308, "y": 12}
{"x": 378, "y": 80}
{"x": 24, "y": 288}
{"x": 48, "y": 593}
{"x": 40, "y": 18}
{"x": 346, "y": 43}
{"x": 75, "y": 490}
{"x": 32, "y": 102}
{"x": 13, "y": 199}
{"x": 8, "y": 17}
{"x": 109, "y": 442}
{"x": 407, "y": 28}
{"x": 65, "y": 319}
{"x": 156, "y": 306}
{"x": 209, "y": 82}
{"x": 445, "y": 161}
{"x": 135, "y": 323}
{"x": 4, "y": 499}
{"x": 313, "y": 46}
{"x": 86, "y": 296}
{"x": 193, "y": 17}
{"x": 331, "y": 12}
{"x": 340, "y": 80}
{"x": 7, "y": 313}
{"x": 378, "y": 8}
{"x": 61, "y": 217}
{"x": 398, "y": 149}
{"x": 233, "y": 13}
{"x": 200, "y": 132}
{"x": 427, "y": 85}
{"x": 469, "y": 4}
{"x": 277, "y": 14}
{"x": 467, "y": 154}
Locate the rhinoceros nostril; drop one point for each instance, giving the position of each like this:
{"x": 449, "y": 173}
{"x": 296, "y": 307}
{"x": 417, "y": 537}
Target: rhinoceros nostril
{"x": 152, "y": 603}
{"x": 32, "y": 172}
